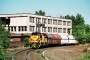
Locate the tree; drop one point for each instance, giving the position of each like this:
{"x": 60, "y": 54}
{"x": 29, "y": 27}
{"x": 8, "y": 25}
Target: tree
{"x": 4, "y": 41}
{"x": 61, "y": 16}
{"x": 80, "y": 19}
{"x": 40, "y": 12}
{"x": 36, "y": 13}
{"x": 26, "y": 41}
{"x": 6, "y": 21}
{"x": 79, "y": 29}
{"x": 68, "y": 17}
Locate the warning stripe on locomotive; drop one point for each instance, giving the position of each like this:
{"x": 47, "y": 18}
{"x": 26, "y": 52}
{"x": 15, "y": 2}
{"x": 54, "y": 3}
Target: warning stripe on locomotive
{"x": 34, "y": 38}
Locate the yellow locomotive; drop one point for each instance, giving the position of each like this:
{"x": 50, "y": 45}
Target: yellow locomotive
{"x": 37, "y": 40}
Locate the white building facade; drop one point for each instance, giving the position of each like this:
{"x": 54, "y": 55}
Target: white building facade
{"x": 28, "y": 23}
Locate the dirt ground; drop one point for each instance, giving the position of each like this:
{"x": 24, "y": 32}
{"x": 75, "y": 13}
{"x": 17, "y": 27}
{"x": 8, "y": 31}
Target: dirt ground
{"x": 71, "y": 52}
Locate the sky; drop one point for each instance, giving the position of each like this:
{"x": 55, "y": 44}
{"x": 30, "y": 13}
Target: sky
{"x": 53, "y": 8}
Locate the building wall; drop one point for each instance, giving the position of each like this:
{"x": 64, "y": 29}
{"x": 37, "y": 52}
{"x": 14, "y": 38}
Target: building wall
{"x": 17, "y": 23}
{"x": 26, "y": 23}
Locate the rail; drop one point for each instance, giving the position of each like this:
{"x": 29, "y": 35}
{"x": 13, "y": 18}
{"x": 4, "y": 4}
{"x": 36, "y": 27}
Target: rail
{"x": 26, "y": 54}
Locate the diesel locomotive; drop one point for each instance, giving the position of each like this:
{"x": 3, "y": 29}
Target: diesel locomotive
{"x": 38, "y": 39}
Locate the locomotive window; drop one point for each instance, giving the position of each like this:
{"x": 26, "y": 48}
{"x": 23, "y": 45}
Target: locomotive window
{"x": 40, "y": 36}
{"x": 35, "y": 33}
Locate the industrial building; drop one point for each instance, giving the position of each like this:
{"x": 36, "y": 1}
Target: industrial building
{"x": 23, "y": 23}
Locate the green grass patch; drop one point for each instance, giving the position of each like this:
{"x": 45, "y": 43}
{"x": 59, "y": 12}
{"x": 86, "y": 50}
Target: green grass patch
{"x": 37, "y": 51}
{"x": 85, "y": 50}
{"x": 8, "y": 55}
{"x": 42, "y": 56}
{"x": 50, "y": 58}
{"x": 86, "y": 56}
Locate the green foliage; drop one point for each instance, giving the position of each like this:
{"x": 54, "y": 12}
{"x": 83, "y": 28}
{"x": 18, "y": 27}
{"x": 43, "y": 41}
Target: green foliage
{"x": 26, "y": 41}
{"x": 80, "y": 19}
{"x": 4, "y": 41}
{"x": 2, "y": 53}
{"x": 42, "y": 56}
{"x": 80, "y": 30}
{"x": 6, "y": 21}
{"x": 38, "y": 51}
{"x": 40, "y": 12}
{"x": 82, "y": 35}
{"x": 85, "y": 50}
{"x": 86, "y": 57}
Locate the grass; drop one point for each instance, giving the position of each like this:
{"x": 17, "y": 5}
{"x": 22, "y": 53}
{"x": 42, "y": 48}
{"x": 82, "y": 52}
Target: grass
{"x": 9, "y": 55}
{"x": 86, "y": 56}
{"x": 37, "y": 51}
{"x": 50, "y": 58}
{"x": 42, "y": 56}
{"x": 85, "y": 50}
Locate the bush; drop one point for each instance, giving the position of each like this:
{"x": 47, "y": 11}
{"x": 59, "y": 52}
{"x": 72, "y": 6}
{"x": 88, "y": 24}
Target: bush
{"x": 85, "y": 50}
{"x": 26, "y": 41}
{"x": 86, "y": 57}
{"x": 38, "y": 51}
{"x": 81, "y": 36}
{"x": 4, "y": 40}
{"x": 2, "y": 53}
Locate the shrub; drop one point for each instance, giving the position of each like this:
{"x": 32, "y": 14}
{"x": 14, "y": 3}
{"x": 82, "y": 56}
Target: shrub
{"x": 85, "y": 50}
{"x": 26, "y": 41}
{"x": 4, "y": 40}
{"x": 2, "y": 53}
{"x": 86, "y": 57}
{"x": 42, "y": 56}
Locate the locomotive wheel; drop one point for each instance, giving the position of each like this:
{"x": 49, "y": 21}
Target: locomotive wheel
{"x": 38, "y": 45}
{"x": 35, "y": 45}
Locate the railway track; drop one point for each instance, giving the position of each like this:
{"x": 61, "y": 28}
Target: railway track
{"x": 22, "y": 55}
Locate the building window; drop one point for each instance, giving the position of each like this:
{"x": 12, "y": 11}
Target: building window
{"x": 59, "y": 30}
{"x": 13, "y": 28}
{"x": 32, "y": 28}
{"x": 37, "y": 29}
{"x": 19, "y": 28}
{"x": 55, "y": 22}
{"x": 68, "y": 31}
{"x": 54, "y": 29}
{"x": 59, "y": 22}
{"x": 38, "y": 20}
{"x": 25, "y": 28}
{"x": 32, "y": 19}
{"x": 64, "y": 30}
{"x": 49, "y": 29}
{"x": 49, "y": 21}
{"x": 44, "y": 29}
{"x": 64, "y": 23}
{"x": 43, "y": 20}
{"x": 22, "y": 28}
{"x": 68, "y": 23}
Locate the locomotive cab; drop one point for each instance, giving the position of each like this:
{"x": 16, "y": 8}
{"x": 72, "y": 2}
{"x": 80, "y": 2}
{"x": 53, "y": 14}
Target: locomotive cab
{"x": 37, "y": 40}
{"x": 34, "y": 40}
